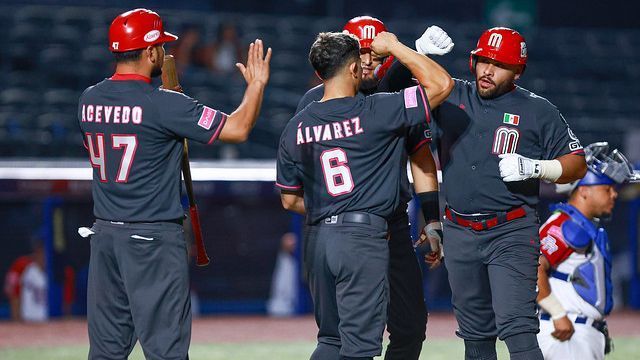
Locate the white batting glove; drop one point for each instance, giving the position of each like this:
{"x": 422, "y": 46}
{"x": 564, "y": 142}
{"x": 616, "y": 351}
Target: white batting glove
{"x": 434, "y": 41}
{"x": 514, "y": 167}
{"x": 431, "y": 236}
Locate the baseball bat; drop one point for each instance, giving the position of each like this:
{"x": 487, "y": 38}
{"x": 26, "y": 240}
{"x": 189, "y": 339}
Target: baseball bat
{"x": 170, "y": 81}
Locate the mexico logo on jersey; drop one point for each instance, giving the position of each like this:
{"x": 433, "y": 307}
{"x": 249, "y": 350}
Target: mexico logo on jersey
{"x": 511, "y": 119}
{"x": 505, "y": 140}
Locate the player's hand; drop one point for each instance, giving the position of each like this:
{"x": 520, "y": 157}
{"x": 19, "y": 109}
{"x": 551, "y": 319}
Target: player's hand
{"x": 257, "y": 68}
{"x": 430, "y": 244}
{"x": 384, "y": 43}
{"x": 434, "y": 41}
{"x": 514, "y": 167}
{"x": 563, "y": 329}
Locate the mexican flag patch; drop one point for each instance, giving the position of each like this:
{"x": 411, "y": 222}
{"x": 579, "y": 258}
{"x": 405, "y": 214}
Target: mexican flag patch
{"x": 511, "y": 119}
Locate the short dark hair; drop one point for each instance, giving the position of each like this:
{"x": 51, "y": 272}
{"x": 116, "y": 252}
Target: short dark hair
{"x": 331, "y": 51}
{"x": 126, "y": 56}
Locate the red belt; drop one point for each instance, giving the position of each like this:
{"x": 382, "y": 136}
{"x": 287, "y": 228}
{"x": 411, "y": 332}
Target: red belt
{"x": 487, "y": 221}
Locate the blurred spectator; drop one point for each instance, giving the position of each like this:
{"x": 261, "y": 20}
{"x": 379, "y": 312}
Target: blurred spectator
{"x": 282, "y": 301}
{"x": 187, "y": 50}
{"x": 26, "y": 286}
{"x": 222, "y": 55}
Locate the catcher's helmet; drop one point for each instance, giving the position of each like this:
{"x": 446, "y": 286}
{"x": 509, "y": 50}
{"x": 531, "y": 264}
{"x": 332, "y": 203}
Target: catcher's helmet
{"x": 137, "y": 29}
{"x": 365, "y": 28}
{"x": 500, "y": 44}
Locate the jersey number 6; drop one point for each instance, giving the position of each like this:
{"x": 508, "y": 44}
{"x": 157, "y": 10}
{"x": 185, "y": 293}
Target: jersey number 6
{"x": 97, "y": 154}
{"x": 337, "y": 176}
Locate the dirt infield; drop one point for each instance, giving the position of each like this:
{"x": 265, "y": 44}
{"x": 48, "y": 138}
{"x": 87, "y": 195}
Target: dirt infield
{"x": 223, "y": 329}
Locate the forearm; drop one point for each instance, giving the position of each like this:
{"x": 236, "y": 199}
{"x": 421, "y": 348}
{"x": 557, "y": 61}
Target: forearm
{"x": 241, "y": 121}
{"x": 293, "y": 201}
{"x": 424, "y": 171}
{"x": 544, "y": 288}
{"x": 433, "y": 77}
{"x": 546, "y": 300}
{"x": 574, "y": 168}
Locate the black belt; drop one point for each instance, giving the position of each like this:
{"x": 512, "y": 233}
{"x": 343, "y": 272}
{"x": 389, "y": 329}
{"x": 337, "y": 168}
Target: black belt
{"x": 117, "y": 222}
{"x": 354, "y": 218}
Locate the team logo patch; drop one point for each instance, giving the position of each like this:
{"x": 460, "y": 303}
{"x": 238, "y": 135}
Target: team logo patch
{"x": 511, "y": 119}
{"x": 411, "y": 97}
{"x": 505, "y": 140}
{"x": 549, "y": 245}
{"x": 206, "y": 119}
{"x": 152, "y": 36}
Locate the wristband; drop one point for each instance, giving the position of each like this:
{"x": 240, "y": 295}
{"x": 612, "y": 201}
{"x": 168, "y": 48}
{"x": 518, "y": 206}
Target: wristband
{"x": 553, "y": 306}
{"x": 549, "y": 170}
{"x": 430, "y": 204}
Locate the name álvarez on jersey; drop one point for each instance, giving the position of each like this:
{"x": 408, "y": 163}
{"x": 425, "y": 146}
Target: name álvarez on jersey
{"x": 330, "y": 131}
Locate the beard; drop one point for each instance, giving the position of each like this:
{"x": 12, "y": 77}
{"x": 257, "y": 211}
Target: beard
{"x": 368, "y": 83}
{"x": 157, "y": 71}
{"x": 495, "y": 91}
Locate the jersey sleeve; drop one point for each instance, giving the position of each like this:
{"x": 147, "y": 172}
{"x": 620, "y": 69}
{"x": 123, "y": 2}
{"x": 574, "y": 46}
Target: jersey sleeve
{"x": 552, "y": 243}
{"x": 417, "y": 136}
{"x": 557, "y": 139}
{"x": 287, "y": 174}
{"x": 310, "y": 96}
{"x": 403, "y": 109}
{"x": 398, "y": 77}
{"x": 188, "y": 118}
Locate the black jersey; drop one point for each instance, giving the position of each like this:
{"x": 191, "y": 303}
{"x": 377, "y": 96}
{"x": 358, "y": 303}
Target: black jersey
{"x": 133, "y": 133}
{"x": 398, "y": 77}
{"x": 471, "y": 133}
{"x": 346, "y": 154}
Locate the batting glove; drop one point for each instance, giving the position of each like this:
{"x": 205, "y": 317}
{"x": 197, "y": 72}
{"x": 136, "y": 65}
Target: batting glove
{"x": 430, "y": 244}
{"x": 514, "y": 167}
{"x": 434, "y": 41}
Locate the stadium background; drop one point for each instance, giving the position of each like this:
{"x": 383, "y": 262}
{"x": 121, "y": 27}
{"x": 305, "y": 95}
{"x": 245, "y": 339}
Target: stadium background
{"x": 584, "y": 57}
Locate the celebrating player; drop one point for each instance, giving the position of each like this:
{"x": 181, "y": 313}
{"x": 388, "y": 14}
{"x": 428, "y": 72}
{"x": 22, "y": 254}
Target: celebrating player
{"x": 138, "y": 276}
{"x": 496, "y": 141}
{"x": 574, "y": 276}
{"x": 407, "y": 315}
{"x": 339, "y": 163}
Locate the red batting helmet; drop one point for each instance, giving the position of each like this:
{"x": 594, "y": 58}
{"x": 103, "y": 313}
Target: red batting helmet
{"x": 137, "y": 29}
{"x": 500, "y": 44}
{"x": 365, "y": 28}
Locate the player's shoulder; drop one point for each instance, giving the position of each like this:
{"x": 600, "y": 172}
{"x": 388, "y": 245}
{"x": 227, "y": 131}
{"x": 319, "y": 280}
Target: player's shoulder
{"x": 538, "y": 102}
{"x": 313, "y": 94}
{"x": 171, "y": 100}
{"x": 553, "y": 224}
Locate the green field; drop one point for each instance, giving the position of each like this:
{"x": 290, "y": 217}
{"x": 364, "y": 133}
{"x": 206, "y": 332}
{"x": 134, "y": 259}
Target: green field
{"x": 625, "y": 349}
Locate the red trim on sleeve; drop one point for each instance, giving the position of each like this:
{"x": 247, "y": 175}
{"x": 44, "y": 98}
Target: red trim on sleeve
{"x": 130, "y": 77}
{"x": 424, "y": 102}
{"x": 296, "y": 187}
{"x": 577, "y": 152}
{"x": 219, "y": 129}
{"x": 420, "y": 144}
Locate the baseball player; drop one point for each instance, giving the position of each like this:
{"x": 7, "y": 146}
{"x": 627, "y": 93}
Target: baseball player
{"x": 26, "y": 286}
{"x": 574, "y": 276}
{"x": 138, "y": 275}
{"x": 407, "y": 314}
{"x": 496, "y": 141}
{"x": 339, "y": 163}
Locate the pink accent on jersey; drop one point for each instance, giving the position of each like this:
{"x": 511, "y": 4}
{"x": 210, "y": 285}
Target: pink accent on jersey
{"x": 297, "y": 187}
{"x": 420, "y": 144}
{"x": 552, "y": 244}
{"x": 424, "y": 102}
{"x": 215, "y": 135}
{"x": 410, "y": 97}
{"x": 206, "y": 119}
